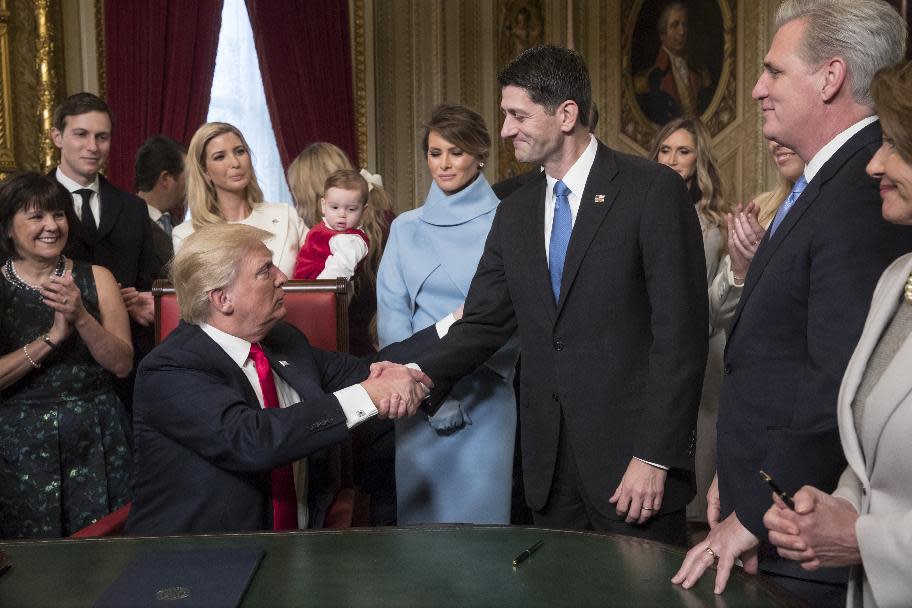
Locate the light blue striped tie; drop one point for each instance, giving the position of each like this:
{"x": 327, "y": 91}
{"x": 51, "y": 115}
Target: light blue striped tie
{"x": 797, "y": 189}
{"x": 560, "y": 236}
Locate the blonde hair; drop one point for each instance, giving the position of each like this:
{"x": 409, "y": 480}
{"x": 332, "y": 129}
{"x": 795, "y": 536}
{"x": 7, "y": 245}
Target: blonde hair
{"x": 308, "y": 172}
{"x": 768, "y": 202}
{"x": 202, "y": 199}
{"x": 707, "y": 185}
{"x": 209, "y": 259}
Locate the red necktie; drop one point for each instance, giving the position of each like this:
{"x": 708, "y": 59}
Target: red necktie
{"x": 284, "y": 500}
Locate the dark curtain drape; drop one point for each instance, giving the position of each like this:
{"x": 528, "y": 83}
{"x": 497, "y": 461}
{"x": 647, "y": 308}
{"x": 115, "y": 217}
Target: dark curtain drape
{"x": 305, "y": 59}
{"x": 159, "y": 61}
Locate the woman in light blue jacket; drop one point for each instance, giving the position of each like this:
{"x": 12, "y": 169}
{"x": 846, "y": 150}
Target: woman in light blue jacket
{"x": 457, "y": 465}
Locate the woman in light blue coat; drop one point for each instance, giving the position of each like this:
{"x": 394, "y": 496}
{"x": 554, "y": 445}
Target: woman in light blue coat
{"x": 457, "y": 465}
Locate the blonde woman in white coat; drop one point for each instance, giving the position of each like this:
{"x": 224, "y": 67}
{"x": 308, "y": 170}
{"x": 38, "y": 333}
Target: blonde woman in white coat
{"x": 222, "y": 187}
{"x": 867, "y": 521}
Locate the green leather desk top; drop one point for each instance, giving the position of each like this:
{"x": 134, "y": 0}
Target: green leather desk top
{"x": 417, "y": 566}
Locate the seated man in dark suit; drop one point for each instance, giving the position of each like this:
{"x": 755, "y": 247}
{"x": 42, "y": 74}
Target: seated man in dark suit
{"x": 233, "y": 397}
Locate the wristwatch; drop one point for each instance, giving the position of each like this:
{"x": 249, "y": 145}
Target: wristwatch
{"x": 47, "y": 340}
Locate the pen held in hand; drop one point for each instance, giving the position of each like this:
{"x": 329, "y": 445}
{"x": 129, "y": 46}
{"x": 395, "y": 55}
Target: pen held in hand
{"x": 526, "y": 553}
{"x": 779, "y": 491}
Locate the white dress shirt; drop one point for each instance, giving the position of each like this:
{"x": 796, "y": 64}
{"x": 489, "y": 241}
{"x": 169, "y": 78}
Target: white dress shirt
{"x": 826, "y": 153}
{"x": 73, "y": 186}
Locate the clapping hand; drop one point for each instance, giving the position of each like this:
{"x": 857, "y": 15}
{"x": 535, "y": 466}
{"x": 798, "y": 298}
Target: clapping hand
{"x": 744, "y": 236}
{"x": 395, "y": 389}
{"x": 140, "y": 305}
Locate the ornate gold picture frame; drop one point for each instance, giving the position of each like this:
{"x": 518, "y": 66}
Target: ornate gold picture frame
{"x": 678, "y": 58}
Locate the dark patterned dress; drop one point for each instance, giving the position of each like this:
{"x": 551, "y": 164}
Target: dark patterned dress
{"x": 64, "y": 460}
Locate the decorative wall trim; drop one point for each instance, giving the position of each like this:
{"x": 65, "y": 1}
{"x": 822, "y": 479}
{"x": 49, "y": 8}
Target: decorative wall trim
{"x": 359, "y": 75}
{"x": 47, "y": 81}
{"x": 100, "y": 46}
{"x": 7, "y": 157}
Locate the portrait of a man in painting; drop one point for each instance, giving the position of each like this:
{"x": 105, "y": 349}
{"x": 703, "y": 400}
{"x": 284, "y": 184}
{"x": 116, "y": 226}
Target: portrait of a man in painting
{"x": 676, "y": 57}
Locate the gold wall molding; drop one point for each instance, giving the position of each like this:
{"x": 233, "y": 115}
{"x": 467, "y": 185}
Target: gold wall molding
{"x": 100, "y": 46}
{"x": 419, "y": 53}
{"x": 7, "y": 156}
{"x": 46, "y": 45}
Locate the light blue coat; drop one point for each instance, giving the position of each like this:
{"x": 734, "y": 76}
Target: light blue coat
{"x": 456, "y": 466}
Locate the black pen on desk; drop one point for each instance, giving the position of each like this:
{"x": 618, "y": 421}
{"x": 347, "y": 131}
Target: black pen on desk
{"x": 779, "y": 491}
{"x": 526, "y": 553}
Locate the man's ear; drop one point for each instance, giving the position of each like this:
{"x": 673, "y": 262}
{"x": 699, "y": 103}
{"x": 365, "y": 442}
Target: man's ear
{"x": 57, "y": 137}
{"x": 221, "y": 301}
{"x": 835, "y": 76}
{"x": 164, "y": 179}
{"x": 568, "y": 112}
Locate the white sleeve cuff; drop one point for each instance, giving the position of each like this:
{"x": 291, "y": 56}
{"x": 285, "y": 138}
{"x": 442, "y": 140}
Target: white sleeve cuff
{"x": 658, "y": 466}
{"x": 356, "y": 404}
{"x": 444, "y": 324}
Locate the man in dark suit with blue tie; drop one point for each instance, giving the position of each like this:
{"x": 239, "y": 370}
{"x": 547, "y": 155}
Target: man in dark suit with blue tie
{"x": 233, "y": 397}
{"x": 159, "y": 180}
{"x": 808, "y": 288}
{"x": 597, "y": 263}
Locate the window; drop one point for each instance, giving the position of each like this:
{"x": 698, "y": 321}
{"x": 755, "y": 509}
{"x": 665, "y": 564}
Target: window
{"x": 238, "y": 98}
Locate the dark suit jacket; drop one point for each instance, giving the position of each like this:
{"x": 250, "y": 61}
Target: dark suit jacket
{"x": 620, "y": 358}
{"x": 123, "y": 244}
{"x": 204, "y": 448}
{"x": 162, "y": 247}
{"x": 801, "y": 313}
{"x": 506, "y": 187}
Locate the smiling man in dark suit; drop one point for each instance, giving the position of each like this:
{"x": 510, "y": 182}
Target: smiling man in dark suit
{"x": 113, "y": 227}
{"x": 233, "y": 397}
{"x": 808, "y": 289}
{"x": 605, "y": 284}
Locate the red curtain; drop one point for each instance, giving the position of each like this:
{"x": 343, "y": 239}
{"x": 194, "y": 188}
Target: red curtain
{"x": 305, "y": 59}
{"x": 159, "y": 61}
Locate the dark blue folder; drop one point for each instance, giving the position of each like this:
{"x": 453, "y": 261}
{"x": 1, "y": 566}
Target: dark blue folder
{"x": 198, "y": 578}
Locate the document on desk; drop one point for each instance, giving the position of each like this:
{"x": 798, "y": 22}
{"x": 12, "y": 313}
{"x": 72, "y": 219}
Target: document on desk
{"x": 204, "y": 578}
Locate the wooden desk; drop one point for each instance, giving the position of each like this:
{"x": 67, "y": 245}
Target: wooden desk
{"x": 412, "y": 566}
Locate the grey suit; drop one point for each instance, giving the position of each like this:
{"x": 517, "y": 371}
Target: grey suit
{"x": 878, "y": 478}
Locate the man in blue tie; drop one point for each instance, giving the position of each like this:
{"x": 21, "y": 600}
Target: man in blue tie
{"x": 159, "y": 180}
{"x": 597, "y": 263}
{"x": 808, "y": 289}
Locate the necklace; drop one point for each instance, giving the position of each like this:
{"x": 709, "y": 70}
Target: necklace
{"x": 16, "y": 280}
{"x": 907, "y": 290}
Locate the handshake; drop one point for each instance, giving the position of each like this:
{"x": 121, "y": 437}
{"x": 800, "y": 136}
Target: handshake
{"x": 395, "y": 389}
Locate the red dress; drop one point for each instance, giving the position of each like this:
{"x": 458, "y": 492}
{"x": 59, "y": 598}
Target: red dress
{"x": 313, "y": 255}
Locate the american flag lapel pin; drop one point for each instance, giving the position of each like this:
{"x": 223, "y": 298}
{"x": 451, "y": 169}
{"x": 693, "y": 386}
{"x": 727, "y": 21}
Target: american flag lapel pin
{"x": 284, "y": 363}
{"x": 599, "y": 198}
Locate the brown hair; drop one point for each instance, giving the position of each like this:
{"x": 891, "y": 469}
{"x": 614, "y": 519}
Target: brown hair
{"x": 706, "y": 188}
{"x": 461, "y": 126}
{"x": 891, "y": 90}
{"x": 29, "y": 191}
{"x": 307, "y": 173}
{"x": 347, "y": 179}
{"x": 80, "y": 103}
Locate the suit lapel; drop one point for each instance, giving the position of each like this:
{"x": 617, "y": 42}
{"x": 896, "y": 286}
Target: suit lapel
{"x": 590, "y": 216}
{"x": 291, "y": 371}
{"x": 111, "y": 206}
{"x": 534, "y": 244}
{"x": 770, "y": 244}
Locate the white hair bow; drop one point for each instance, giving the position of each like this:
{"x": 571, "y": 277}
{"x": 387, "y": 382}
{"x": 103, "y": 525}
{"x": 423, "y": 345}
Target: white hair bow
{"x": 372, "y": 179}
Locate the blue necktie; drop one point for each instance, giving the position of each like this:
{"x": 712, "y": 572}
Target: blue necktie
{"x": 560, "y": 236}
{"x": 797, "y": 189}
{"x": 165, "y": 222}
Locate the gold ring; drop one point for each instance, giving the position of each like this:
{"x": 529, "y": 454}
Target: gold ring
{"x": 712, "y": 553}
{"x": 647, "y": 509}
{"x": 65, "y": 300}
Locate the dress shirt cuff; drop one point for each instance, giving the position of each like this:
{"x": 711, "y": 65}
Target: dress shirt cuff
{"x": 734, "y": 282}
{"x": 356, "y": 405}
{"x": 444, "y": 324}
{"x": 658, "y": 466}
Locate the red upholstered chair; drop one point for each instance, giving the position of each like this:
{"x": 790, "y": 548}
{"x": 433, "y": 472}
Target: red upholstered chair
{"x": 319, "y": 309}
